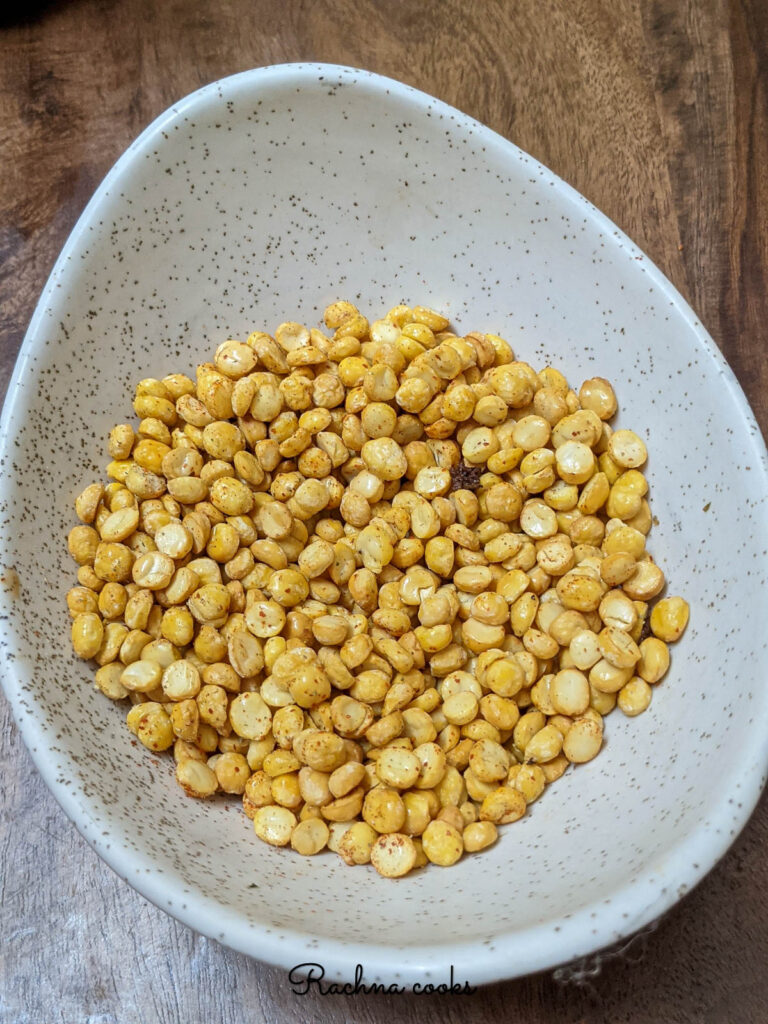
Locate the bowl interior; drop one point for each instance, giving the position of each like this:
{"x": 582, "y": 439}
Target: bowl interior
{"x": 261, "y": 199}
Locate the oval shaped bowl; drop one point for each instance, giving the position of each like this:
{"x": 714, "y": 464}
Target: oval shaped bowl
{"x": 261, "y": 198}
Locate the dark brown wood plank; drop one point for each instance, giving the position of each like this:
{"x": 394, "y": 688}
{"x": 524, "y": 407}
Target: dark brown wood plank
{"x": 657, "y": 110}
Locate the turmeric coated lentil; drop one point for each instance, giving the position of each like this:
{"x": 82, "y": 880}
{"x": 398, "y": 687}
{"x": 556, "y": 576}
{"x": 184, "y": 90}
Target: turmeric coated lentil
{"x": 382, "y": 584}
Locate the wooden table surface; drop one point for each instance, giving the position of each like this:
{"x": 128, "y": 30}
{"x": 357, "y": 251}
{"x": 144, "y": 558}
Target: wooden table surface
{"x": 656, "y": 110}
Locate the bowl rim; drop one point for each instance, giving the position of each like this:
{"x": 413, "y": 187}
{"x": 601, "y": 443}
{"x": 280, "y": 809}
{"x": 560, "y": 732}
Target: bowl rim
{"x": 512, "y": 954}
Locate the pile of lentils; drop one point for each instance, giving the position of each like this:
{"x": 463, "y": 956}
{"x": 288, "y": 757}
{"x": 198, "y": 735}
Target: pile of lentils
{"x": 382, "y": 583}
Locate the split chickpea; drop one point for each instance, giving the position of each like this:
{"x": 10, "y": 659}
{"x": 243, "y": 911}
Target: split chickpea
{"x": 383, "y": 585}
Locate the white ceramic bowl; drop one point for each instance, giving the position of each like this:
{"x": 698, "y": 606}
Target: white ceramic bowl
{"x": 265, "y": 196}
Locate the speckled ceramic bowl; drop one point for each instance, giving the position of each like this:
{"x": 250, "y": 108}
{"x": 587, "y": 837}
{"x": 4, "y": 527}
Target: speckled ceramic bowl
{"x": 265, "y": 196}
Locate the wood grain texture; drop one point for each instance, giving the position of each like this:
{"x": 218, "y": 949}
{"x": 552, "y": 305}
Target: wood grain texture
{"x": 657, "y": 110}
